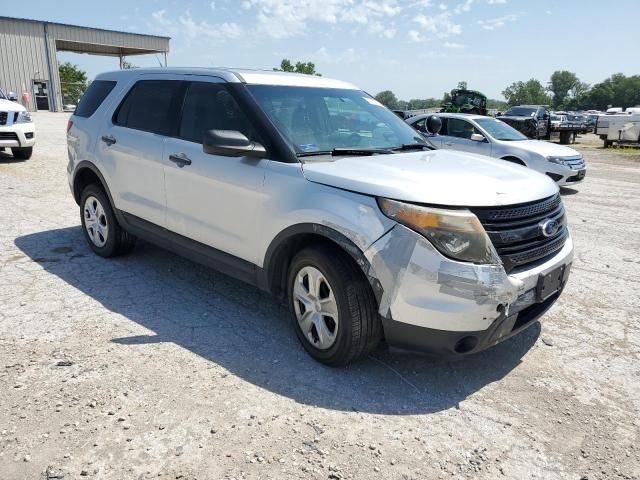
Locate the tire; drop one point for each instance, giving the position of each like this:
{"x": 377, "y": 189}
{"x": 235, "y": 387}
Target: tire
{"x": 515, "y": 160}
{"x": 608, "y": 143}
{"x": 565, "y": 138}
{"x": 102, "y": 231}
{"x": 22, "y": 153}
{"x": 357, "y": 329}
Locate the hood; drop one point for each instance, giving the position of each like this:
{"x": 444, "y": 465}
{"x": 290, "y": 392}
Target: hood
{"x": 9, "y": 106}
{"x": 438, "y": 177}
{"x": 518, "y": 118}
{"x": 546, "y": 149}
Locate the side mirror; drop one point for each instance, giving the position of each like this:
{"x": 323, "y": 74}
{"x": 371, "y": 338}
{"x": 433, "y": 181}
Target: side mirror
{"x": 434, "y": 124}
{"x": 231, "y": 143}
{"x": 476, "y": 137}
{"x": 13, "y": 96}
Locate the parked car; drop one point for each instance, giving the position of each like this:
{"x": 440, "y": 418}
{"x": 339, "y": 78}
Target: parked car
{"x": 17, "y": 131}
{"x": 531, "y": 120}
{"x": 491, "y": 137}
{"x": 558, "y": 120}
{"x": 311, "y": 189}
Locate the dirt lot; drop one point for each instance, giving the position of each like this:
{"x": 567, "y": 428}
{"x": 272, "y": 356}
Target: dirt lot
{"x": 150, "y": 366}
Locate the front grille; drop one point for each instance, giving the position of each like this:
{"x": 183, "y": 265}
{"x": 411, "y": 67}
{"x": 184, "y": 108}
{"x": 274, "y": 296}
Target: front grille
{"x": 9, "y": 136}
{"x": 575, "y": 163}
{"x": 3, "y": 118}
{"x": 516, "y": 231}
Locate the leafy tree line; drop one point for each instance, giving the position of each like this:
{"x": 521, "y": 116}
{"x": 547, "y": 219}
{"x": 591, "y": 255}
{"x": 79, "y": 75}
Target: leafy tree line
{"x": 565, "y": 91}
{"x": 390, "y": 100}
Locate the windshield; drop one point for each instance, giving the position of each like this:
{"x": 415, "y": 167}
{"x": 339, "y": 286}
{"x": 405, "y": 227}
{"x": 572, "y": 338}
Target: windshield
{"x": 2, "y": 95}
{"x": 555, "y": 118}
{"x": 323, "y": 119}
{"x": 500, "y": 130}
{"x": 521, "y": 111}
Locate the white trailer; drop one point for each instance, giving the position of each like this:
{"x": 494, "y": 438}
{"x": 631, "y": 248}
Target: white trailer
{"x": 622, "y": 128}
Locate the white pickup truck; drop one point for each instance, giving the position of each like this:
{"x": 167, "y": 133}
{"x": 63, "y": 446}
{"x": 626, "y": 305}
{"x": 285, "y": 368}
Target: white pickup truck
{"x": 17, "y": 130}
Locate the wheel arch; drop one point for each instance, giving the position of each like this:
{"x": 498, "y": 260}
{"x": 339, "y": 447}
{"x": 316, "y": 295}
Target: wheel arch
{"x": 296, "y": 237}
{"x": 514, "y": 159}
{"x": 85, "y": 174}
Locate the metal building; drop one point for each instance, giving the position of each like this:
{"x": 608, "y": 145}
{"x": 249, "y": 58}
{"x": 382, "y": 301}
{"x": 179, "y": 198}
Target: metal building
{"x": 28, "y": 60}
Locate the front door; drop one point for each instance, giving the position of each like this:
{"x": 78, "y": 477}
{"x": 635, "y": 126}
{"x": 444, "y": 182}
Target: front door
{"x": 215, "y": 200}
{"x": 456, "y": 135}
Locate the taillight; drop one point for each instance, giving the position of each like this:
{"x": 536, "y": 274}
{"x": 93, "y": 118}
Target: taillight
{"x": 69, "y": 125}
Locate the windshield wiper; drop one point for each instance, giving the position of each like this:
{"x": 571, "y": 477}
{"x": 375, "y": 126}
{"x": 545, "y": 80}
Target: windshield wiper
{"x": 336, "y": 152}
{"x": 313, "y": 154}
{"x": 412, "y": 146}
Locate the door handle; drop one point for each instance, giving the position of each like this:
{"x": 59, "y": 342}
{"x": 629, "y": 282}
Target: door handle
{"x": 108, "y": 139}
{"x": 180, "y": 159}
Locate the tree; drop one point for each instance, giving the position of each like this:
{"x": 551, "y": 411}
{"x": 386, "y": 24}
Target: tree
{"x": 388, "y": 99}
{"x": 564, "y": 84}
{"x": 73, "y": 82}
{"x": 462, "y": 85}
{"x": 126, "y": 65}
{"x": 617, "y": 90}
{"x": 308, "y": 68}
{"x": 531, "y": 92}
{"x": 446, "y": 97}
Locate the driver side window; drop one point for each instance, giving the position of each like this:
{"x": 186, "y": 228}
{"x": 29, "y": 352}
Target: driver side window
{"x": 459, "y": 128}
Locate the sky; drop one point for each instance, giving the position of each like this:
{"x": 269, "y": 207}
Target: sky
{"x": 416, "y": 48}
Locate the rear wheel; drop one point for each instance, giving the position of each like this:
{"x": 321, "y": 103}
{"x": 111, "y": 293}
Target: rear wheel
{"x": 565, "y": 137}
{"x": 23, "y": 153}
{"x": 99, "y": 224}
{"x": 332, "y": 306}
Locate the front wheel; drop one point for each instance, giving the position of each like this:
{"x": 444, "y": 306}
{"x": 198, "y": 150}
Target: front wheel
{"x": 332, "y": 306}
{"x": 101, "y": 229}
{"x": 23, "y": 153}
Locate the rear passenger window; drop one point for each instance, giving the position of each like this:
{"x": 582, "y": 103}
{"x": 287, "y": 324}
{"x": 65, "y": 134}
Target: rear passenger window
{"x": 147, "y": 106}
{"x": 93, "y": 97}
{"x": 210, "y": 106}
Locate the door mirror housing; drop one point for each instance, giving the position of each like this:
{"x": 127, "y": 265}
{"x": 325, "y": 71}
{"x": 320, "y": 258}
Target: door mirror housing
{"x": 476, "y": 137}
{"x": 231, "y": 143}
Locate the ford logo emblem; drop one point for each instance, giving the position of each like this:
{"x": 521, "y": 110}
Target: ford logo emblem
{"x": 549, "y": 227}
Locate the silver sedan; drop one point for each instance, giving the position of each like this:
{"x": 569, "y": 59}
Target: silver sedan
{"x": 493, "y": 138}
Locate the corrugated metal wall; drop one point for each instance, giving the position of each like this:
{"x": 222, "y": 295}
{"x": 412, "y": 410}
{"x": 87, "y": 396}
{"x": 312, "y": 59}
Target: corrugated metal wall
{"x": 24, "y": 51}
{"x": 22, "y": 54}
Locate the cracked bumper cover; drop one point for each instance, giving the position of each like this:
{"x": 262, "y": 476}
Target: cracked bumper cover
{"x": 430, "y": 303}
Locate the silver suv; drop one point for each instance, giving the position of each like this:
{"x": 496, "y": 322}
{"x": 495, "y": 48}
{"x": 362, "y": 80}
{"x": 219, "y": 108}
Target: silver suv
{"x": 310, "y": 189}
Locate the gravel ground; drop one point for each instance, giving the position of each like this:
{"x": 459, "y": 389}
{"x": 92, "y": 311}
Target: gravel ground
{"x": 151, "y": 366}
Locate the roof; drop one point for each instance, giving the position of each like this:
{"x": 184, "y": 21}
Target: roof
{"x": 97, "y": 41}
{"x": 238, "y": 75}
{"x": 31, "y": 20}
{"x": 469, "y": 116}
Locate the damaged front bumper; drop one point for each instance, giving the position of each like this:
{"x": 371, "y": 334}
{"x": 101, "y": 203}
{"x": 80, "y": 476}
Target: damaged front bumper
{"x": 434, "y": 304}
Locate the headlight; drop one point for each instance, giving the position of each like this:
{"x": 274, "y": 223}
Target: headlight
{"x": 456, "y": 234}
{"x": 558, "y": 160}
{"x": 24, "y": 117}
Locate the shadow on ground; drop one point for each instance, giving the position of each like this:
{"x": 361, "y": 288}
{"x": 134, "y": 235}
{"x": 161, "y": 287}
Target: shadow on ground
{"x": 566, "y": 191}
{"x": 248, "y": 332}
{"x": 6, "y": 157}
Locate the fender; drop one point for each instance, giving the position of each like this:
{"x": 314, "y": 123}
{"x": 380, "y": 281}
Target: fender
{"x": 85, "y": 164}
{"x": 274, "y": 276}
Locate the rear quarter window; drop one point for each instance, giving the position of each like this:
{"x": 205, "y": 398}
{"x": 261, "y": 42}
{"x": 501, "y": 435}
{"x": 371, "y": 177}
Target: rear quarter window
{"x": 93, "y": 97}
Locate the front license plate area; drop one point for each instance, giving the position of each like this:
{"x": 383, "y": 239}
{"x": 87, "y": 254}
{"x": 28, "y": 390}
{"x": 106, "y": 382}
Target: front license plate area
{"x": 550, "y": 283}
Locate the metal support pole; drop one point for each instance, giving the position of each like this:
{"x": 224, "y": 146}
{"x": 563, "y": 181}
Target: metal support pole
{"x": 165, "y": 59}
{"x": 120, "y": 60}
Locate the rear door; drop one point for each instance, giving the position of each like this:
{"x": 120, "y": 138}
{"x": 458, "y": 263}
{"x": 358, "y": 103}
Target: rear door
{"x": 457, "y": 136}
{"x": 132, "y": 144}
{"x": 215, "y": 200}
